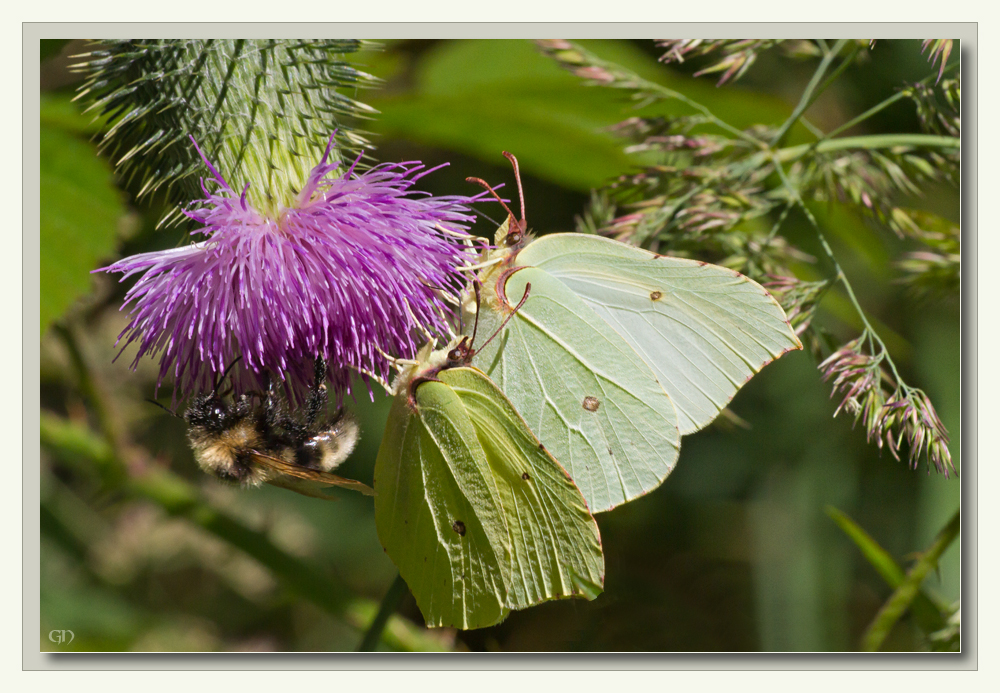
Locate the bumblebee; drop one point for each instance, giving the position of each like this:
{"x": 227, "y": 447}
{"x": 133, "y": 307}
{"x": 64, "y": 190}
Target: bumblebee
{"x": 253, "y": 439}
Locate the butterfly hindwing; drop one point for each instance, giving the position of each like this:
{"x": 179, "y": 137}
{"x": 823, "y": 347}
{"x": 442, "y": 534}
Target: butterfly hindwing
{"x": 555, "y": 542}
{"x": 438, "y": 512}
{"x": 477, "y": 516}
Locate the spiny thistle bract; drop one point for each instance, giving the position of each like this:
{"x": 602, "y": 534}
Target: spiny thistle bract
{"x": 262, "y": 110}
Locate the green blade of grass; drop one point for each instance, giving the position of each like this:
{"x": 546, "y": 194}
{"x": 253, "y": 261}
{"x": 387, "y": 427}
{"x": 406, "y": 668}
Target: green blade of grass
{"x": 926, "y": 609}
{"x": 909, "y": 588}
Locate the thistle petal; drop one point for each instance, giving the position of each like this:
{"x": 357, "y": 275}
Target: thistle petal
{"x": 359, "y": 264}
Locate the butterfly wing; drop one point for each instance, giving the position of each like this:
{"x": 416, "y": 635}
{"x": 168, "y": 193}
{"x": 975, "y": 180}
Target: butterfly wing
{"x": 704, "y": 330}
{"x": 583, "y": 391}
{"x": 555, "y": 543}
{"x": 476, "y": 514}
{"x": 438, "y": 512}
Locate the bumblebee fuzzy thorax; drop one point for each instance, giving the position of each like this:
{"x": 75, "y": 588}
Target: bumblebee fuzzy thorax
{"x": 224, "y": 439}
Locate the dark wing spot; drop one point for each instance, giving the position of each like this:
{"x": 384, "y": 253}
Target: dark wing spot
{"x": 591, "y": 403}
{"x": 541, "y": 446}
{"x": 459, "y": 527}
{"x": 526, "y": 477}
{"x": 655, "y": 295}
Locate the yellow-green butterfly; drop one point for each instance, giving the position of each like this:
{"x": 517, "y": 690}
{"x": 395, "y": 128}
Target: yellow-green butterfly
{"x": 477, "y": 515}
{"x": 618, "y": 351}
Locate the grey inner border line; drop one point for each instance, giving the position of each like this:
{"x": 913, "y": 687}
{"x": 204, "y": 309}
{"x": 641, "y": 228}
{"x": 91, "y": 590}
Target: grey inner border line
{"x": 32, "y": 33}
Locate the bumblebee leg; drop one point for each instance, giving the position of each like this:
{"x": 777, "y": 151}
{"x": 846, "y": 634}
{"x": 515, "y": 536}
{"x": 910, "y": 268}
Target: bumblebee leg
{"x": 218, "y": 384}
{"x": 272, "y": 405}
{"x": 316, "y": 404}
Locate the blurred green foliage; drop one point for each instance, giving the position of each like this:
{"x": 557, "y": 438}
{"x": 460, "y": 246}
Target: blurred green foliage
{"x": 734, "y": 552}
{"x": 81, "y": 208}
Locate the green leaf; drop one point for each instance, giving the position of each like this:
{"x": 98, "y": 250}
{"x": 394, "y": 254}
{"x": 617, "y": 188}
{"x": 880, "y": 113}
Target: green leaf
{"x": 58, "y": 110}
{"x": 480, "y": 97}
{"x": 477, "y": 516}
{"x": 80, "y": 209}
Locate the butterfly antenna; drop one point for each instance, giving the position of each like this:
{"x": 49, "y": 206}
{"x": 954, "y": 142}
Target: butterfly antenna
{"x": 527, "y": 290}
{"x": 475, "y": 325}
{"x": 520, "y": 191}
{"x": 480, "y": 181}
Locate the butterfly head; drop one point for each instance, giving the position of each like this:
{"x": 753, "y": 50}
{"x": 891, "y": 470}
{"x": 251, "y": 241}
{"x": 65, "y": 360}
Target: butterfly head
{"x": 512, "y": 234}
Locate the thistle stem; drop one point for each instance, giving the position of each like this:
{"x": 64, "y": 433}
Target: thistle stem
{"x": 93, "y": 390}
{"x": 390, "y": 602}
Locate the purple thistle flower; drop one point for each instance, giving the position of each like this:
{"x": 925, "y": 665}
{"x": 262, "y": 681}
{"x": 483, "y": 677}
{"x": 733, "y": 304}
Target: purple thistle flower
{"x": 358, "y": 263}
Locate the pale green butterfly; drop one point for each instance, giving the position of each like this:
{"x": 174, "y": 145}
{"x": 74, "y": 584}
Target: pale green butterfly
{"x": 477, "y": 515}
{"x": 618, "y": 351}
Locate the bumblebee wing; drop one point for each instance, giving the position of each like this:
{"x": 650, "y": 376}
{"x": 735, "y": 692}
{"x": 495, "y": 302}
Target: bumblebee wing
{"x": 307, "y": 488}
{"x": 298, "y": 473}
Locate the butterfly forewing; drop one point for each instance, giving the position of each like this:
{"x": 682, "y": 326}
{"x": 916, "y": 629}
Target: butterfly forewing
{"x": 703, "y": 329}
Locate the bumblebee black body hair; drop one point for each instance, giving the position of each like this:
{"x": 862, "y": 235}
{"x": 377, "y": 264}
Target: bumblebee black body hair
{"x": 251, "y": 442}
